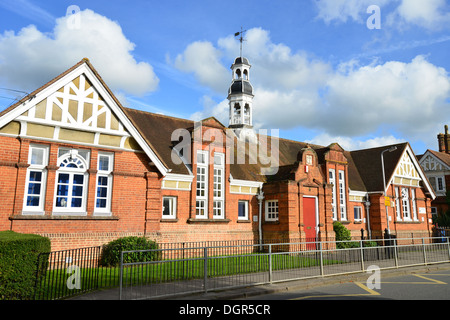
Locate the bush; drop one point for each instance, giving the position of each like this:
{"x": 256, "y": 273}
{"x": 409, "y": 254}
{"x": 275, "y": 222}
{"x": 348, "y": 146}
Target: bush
{"x": 19, "y": 264}
{"x": 343, "y": 234}
{"x": 111, "y": 251}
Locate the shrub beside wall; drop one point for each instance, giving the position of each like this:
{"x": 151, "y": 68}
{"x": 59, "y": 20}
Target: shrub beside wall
{"x": 112, "y": 251}
{"x": 18, "y": 264}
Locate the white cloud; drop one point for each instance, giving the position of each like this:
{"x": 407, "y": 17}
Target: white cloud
{"x": 351, "y": 144}
{"x": 408, "y": 96}
{"x": 28, "y": 10}
{"x": 30, "y": 58}
{"x": 203, "y": 60}
{"x": 430, "y": 14}
{"x": 293, "y": 90}
{"x": 344, "y": 10}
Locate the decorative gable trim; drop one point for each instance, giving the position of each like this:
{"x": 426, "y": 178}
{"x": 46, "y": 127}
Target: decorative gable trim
{"x": 80, "y": 101}
{"x": 429, "y": 162}
{"x": 409, "y": 172}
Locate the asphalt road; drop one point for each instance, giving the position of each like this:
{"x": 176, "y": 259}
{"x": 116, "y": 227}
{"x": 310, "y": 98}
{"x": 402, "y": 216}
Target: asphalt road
{"x": 433, "y": 285}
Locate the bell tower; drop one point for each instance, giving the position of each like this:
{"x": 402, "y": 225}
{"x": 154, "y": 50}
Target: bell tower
{"x": 240, "y": 99}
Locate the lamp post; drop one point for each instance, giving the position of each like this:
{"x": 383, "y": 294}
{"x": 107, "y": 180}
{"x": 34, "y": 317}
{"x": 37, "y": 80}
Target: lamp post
{"x": 260, "y": 197}
{"x": 391, "y": 149}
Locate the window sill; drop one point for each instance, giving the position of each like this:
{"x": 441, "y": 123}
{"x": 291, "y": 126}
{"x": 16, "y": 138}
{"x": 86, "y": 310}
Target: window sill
{"x": 193, "y": 220}
{"x": 408, "y": 222}
{"x": 168, "y": 220}
{"x": 272, "y": 222}
{"x": 61, "y": 217}
{"x": 243, "y": 221}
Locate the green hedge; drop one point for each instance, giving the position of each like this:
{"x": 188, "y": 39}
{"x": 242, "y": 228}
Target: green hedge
{"x": 19, "y": 264}
{"x": 111, "y": 251}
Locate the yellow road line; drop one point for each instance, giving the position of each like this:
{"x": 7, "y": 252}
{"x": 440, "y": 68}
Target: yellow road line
{"x": 373, "y": 292}
{"x": 370, "y": 293}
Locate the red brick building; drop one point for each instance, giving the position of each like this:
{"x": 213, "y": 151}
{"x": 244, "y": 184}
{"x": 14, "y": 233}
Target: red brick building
{"x": 78, "y": 167}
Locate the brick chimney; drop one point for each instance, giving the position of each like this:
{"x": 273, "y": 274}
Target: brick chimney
{"x": 447, "y": 140}
{"x": 444, "y": 141}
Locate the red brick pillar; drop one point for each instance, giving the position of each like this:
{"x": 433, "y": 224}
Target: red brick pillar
{"x": 153, "y": 207}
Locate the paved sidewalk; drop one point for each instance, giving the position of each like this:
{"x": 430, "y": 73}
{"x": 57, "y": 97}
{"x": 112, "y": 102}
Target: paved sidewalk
{"x": 252, "y": 291}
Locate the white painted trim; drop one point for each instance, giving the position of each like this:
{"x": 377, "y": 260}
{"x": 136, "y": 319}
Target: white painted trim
{"x": 418, "y": 168}
{"x": 317, "y": 212}
{"x": 84, "y": 69}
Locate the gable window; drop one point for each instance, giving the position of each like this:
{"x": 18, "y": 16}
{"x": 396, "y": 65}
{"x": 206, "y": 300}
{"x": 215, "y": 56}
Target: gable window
{"x": 218, "y": 192}
{"x": 104, "y": 183}
{"x": 332, "y": 176}
{"x": 71, "y": 182}
{"x": 202, "y": 185}
{"x": 405, "y": 204}
{"x": 342, "y": 202}
{"x": 272, "y": 210}
{"x": 243, "y": 210}
{"x": 36, "y": 180}
{"x": 169, "y": 208}
{"x": 440, "y": 184}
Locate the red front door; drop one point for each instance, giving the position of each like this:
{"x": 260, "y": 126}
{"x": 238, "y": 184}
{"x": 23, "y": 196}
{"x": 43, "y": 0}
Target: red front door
{"x": 309, "y": 219}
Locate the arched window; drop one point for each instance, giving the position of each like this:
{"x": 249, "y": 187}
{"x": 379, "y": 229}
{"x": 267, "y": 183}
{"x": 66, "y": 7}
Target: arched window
{"x": 245, "y": 74}
{"x": 238, "y": 74}
{"x": 71, "y": 182}
{"x": 237, "y": 114}
{"x": 246, "y": 114}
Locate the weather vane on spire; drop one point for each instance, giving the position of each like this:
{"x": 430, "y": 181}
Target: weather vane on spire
{"x": 241, "y": 39}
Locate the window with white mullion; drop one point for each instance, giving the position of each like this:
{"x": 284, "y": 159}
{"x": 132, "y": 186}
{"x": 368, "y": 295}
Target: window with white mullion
{"x": 332, "y": 176}
{"x": 342, "y": 201}
{"x": 36, "y": 180}
{"x": 405, "y": 204}
{"x": 104, "y": 183}
{"x": 272, "y": 210}
{"x": 202, "y": 185}
{"x": 71, "y": 182}
{"x": 413, "y": 203}
{"x": 397, "y": 204}
{"x": 218, "y": 185}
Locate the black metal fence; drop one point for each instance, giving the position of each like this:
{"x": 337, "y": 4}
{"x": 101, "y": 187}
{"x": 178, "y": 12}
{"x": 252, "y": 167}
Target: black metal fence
{"x": 63, "y": 274}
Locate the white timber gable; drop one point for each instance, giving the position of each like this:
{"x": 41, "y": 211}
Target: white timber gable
{"x": 409, "y": 173}
{"x": 436, "y": 170}
{"x": 76, "y": 108}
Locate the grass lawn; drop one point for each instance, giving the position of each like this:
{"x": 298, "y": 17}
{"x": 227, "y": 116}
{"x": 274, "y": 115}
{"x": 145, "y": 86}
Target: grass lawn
{"x": 55, "y": 282}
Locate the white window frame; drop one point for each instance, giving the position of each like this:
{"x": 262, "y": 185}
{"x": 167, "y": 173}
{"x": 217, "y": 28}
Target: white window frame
{"x": 414, "y": 205}
{"x": 201, "y": 206}
{"x": 40, "y": 168}
{"x": 172, "y": 207}
{"x": 271, "y": 213}
{"x": 397, "y": 204}
{"x": 342, "y": 198}
{"x": 434, "y": 211}
{"x": 68, "y": 157}
{"x": 440, "y": 183}
{"x": 101, "y": 173}
{"x": 405, "y": 204}
{"x": 219, "y": 186}
{"x": 332, "y": 177}
{"x": 245, "y": 203}
{"x": 359, "y": 209}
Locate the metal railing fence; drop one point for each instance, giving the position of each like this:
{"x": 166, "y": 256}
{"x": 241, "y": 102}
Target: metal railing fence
{"x": 225, "y": 267}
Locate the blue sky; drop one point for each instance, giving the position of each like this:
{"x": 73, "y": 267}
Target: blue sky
{"x": 319, "y": 73}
